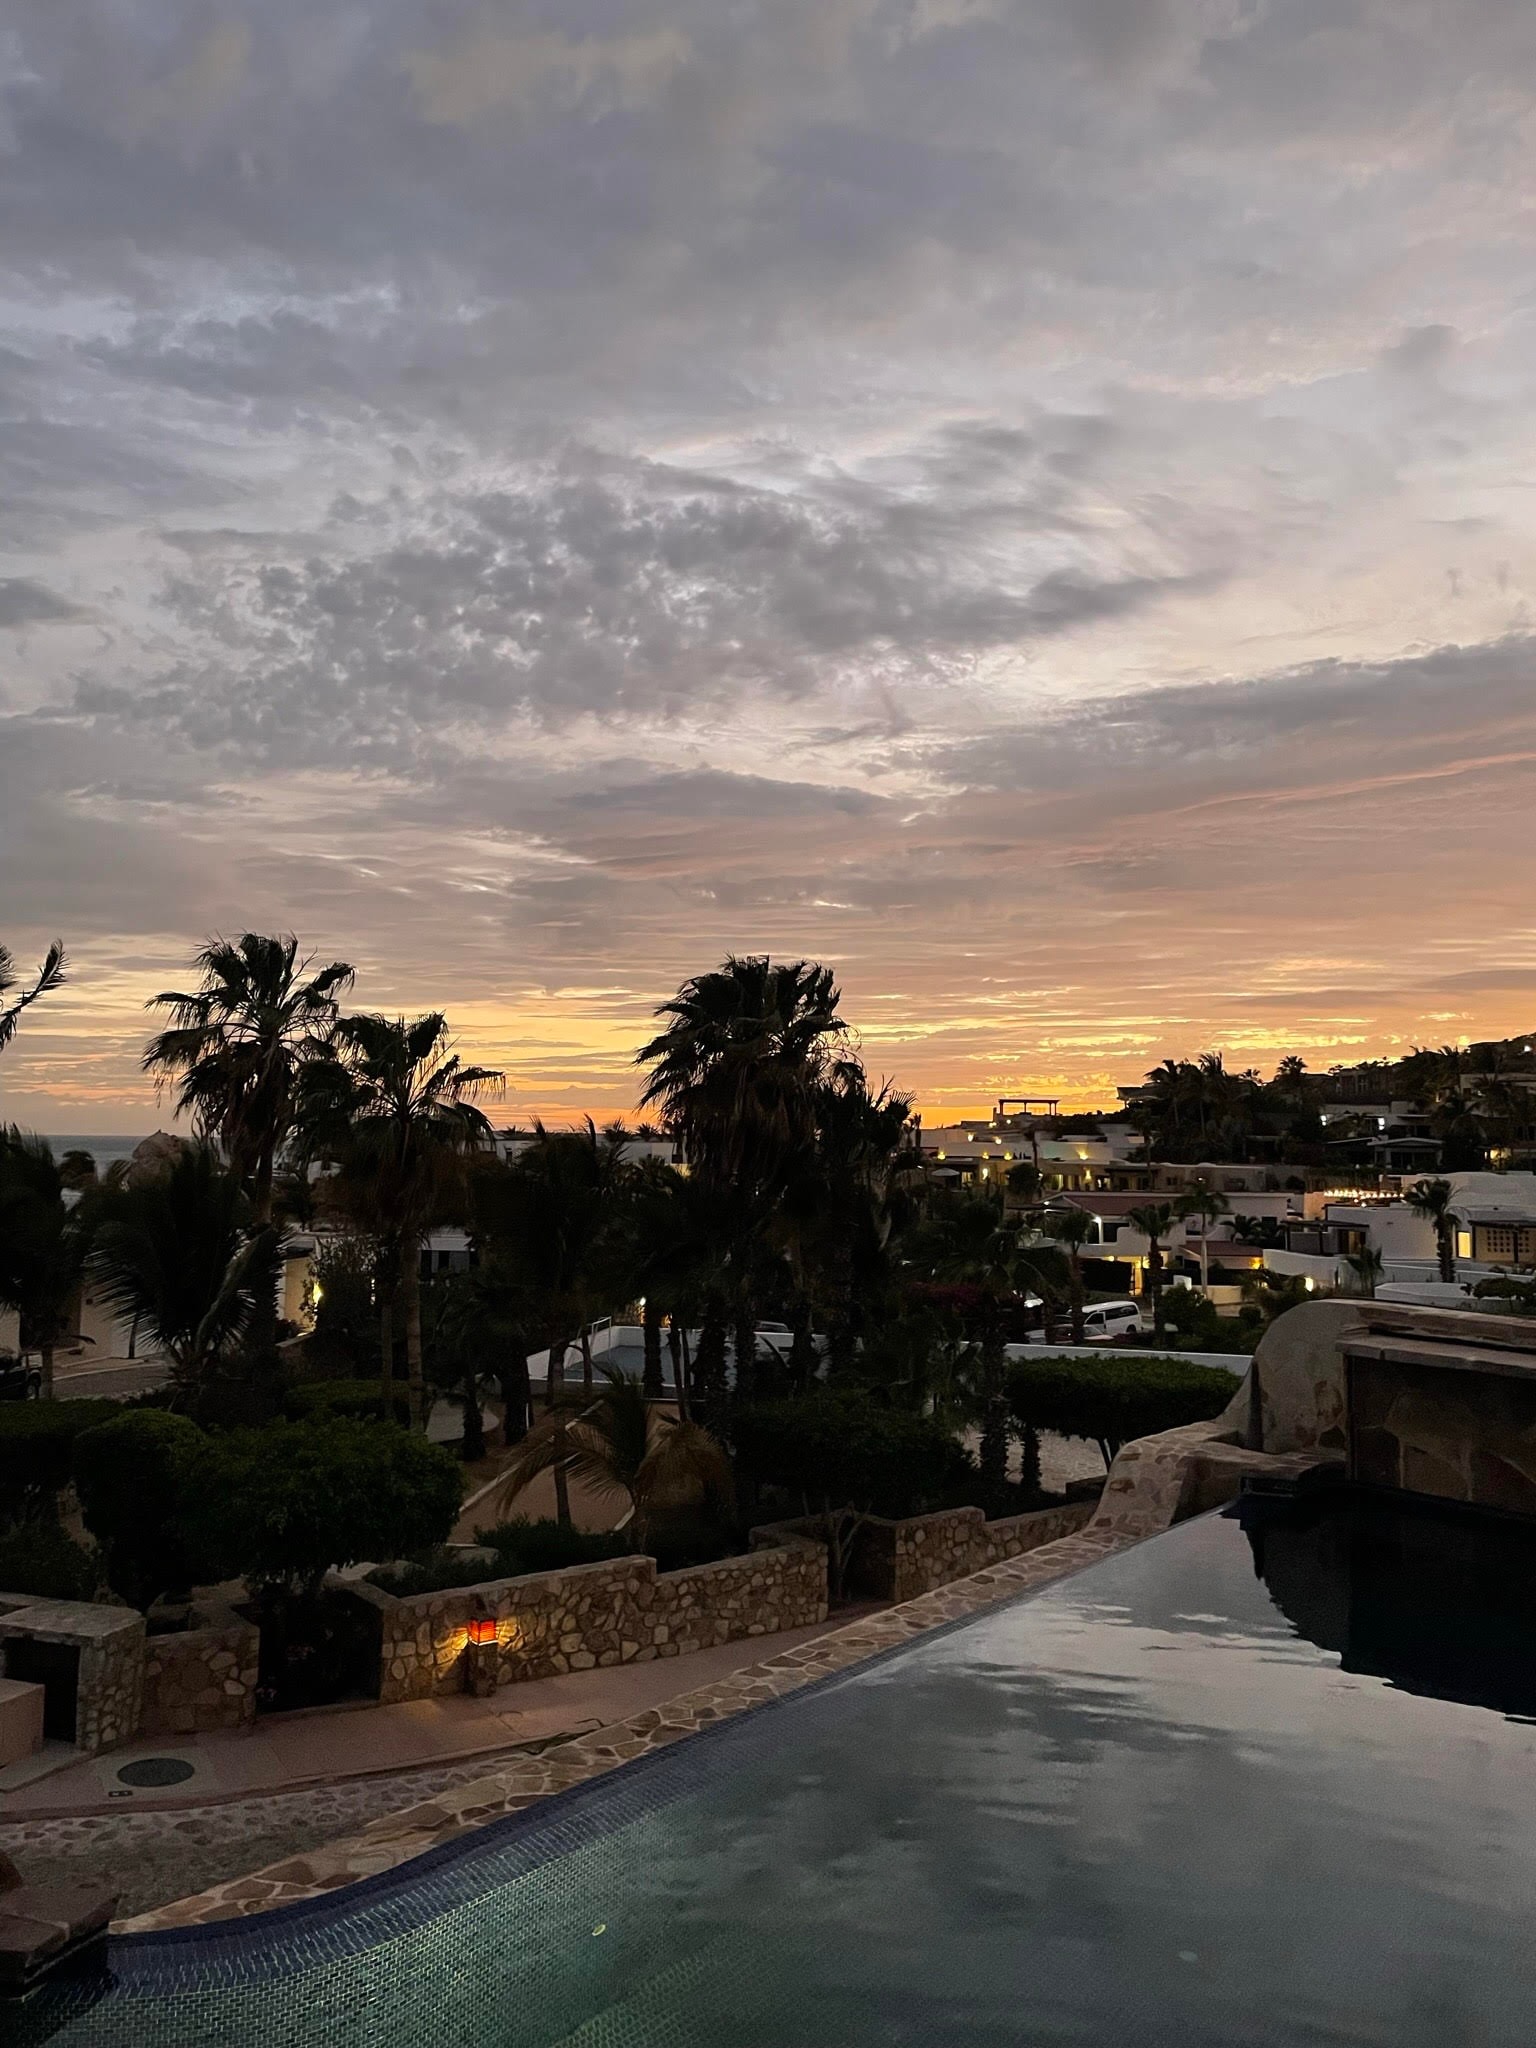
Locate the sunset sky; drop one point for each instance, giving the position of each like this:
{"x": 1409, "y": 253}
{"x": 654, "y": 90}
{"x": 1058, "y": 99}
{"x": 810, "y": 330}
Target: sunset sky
{"x": 1031, "y": 502}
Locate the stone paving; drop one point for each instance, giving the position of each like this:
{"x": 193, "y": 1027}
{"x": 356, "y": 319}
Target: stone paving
{"x": 154, "y": 1854}
{"x": 517, "y": 1784}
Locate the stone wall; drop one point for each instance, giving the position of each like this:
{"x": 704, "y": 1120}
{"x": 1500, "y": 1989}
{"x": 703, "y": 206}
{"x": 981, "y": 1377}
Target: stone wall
{"x": 109, "y": 1642}
{"x": 204, "y": 1678}
{"x": 903, "y": 1560}
{"x": 621, "y": 1611}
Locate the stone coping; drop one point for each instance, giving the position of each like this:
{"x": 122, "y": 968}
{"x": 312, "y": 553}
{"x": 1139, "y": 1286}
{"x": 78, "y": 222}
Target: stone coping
{"x": 66, "y": 1621}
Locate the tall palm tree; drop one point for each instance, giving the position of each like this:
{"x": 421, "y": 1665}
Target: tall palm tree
{"x": 394, "y": 1105}
{"x": 1432, "y": 1199}
{"x": 623, "y": 1444}
{"x": 1207, "y": 1205}
{"x": 237, "y": 1046}
{"x": 1154, "y": 1220}
{"x": 735, "y": 1072}
{"x": 1072, "y": 1228}
{"x": 45, "y": 1240}
{"x": 839, "y": 1206}
{"x": 48, "y": 977}
{"x": 176, "y": 1251}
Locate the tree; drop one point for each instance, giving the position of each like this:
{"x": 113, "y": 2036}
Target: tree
{"x": 839, "y": 1231}
{"x": 625, "y": 1445}
{"x": 237, "y": 1047}
{"x": 1072, "y": 1228}
{"x": 176, "y": 1252}
{"x": 49, "y": 976}
{"x": 1207, "y": 1205}
{"x": 735, "y": 1072}
{"x": 45, "y": 1241}
{"x": 1113, "y": 1401}
{"x": 1366, "y": 1265}
{"x": 556, "y": 1219}
{"x": 131, "y": 1476}
{"x": 1432, "y": 1199}
{"x": 282, "y": 1506}
{"x": 393, "y": 1103}
{"x": 1154, "y": 1220}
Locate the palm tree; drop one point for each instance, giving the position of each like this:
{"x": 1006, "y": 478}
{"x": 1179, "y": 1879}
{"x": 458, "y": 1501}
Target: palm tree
{"x": 1366, "y": 1265}
{"x": 557, "y": 1218}
{"x": 838, "y": 1209}
{"x": 45, "y": 1240}
{"x": 623, "y": 1444}
{"x": 175, "y": 1251}
{"x": 1432, "y": 1199}
{"x": 238, "y": 1044}
{"x": 1154, "y": 1220}
{"x": 1207, "y": 1205}
{"x": 48, "y": 977}
{"x": 735, "y": 1073}
{"x": 1072, "y": 1228}
{"x": 392, "y": 1102}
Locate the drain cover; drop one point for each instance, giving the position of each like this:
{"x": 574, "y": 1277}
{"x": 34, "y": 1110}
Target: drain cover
{"x": 156, "y": 1770}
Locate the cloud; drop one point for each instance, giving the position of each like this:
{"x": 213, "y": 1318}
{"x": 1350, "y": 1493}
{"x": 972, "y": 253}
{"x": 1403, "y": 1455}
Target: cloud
{"x": 26, "y": 603}
{"x": 1030, "y": 501}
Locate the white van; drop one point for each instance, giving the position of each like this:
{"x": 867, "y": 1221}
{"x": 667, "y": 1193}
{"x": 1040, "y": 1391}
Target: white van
{"x": 1105, "y": 1320}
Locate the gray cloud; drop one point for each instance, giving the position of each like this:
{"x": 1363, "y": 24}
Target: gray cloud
{"x": 1029, "y": 499}
{"x": 24, "y": 602}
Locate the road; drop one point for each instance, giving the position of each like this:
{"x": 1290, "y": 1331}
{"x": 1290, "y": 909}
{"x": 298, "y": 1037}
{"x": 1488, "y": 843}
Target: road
{"x": 120, "y": 1376}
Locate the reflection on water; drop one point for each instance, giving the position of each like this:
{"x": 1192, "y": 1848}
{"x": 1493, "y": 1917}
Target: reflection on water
{"x": 1436, "y": 1600}
{"x": 1146, "y": 1805}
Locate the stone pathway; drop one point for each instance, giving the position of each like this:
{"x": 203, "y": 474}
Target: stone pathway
{"x": 156, "y": 1855}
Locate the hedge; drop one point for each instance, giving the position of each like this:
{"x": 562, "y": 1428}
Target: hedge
{"x": 37, "y": 1451}
{"x": 361, "y": 1400}
{"x": 1113, "y": 1401}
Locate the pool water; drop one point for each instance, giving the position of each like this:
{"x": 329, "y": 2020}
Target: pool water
{"x": 1136, "y": 1807}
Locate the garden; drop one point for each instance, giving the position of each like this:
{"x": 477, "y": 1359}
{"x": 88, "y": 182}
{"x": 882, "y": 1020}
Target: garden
{"x": 280, "y": 1454}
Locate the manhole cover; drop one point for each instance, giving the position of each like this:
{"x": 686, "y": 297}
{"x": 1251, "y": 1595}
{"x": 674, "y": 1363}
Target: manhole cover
{"x": 156, "y": 1770}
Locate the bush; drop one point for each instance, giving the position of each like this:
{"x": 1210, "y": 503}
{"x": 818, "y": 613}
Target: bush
{"x": 846, "y": 1455}
{"x": 544, "y": 1546}
{"x": 520, "y": 1546}
{"x": 284, "y": 1505}
{"x": 37, "y": 1452}
{"x": 38, "y": 1557}
{"x": 1115, "y": 1400}
{"x": 132, "y": 1475}
{"x": 360, "y": 1400}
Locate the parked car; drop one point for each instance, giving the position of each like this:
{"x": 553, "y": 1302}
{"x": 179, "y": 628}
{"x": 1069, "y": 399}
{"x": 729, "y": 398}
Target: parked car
{"x": 18, "y": 1380}
{"x": 1103, "y": 1321}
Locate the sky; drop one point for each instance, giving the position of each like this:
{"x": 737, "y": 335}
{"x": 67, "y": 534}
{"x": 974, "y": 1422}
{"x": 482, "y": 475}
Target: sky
{"x": 1028, "y": 501}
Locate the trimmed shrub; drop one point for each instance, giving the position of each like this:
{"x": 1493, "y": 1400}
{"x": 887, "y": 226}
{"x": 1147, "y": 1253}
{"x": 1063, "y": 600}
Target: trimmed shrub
{"x": 284, "y": 1505}
{"x": 131, "y": 1475}
{"x": 1113, "y": 1401}
{"x": 39, "y": 1557}
{"x": 37, "y": 1452}
{"x": 359, "y": 1400}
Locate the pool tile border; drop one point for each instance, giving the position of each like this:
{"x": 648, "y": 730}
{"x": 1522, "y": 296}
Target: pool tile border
{"x": 526, "y": 1780}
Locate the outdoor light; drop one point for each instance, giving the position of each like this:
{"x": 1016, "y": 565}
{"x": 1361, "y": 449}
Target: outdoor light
{"x": 482, "y": 1631}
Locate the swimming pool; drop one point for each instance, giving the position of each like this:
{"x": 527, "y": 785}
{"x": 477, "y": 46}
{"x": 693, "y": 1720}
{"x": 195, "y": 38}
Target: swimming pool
{"x": 1136, "y": 1806}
